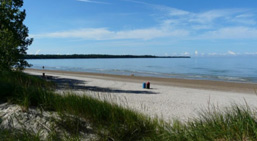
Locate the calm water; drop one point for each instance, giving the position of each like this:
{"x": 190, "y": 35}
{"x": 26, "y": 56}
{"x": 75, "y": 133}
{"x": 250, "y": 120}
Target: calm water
{"x": 239, "y": 69}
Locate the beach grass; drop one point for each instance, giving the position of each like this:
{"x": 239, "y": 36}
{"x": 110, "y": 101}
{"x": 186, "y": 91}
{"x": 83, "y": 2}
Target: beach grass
{"x": 113, "y": 122}
{"x": 233, "y": 123}
{"x": 29, "y": 135}
{"x": 23, "y": 89}
{"x": 14, "y": 135}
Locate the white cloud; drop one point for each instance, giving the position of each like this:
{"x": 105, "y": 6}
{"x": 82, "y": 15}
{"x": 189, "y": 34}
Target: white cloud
{"x": 247, "y": 19}
{"x": 105, "y": 34}
{"x": 219, "y": 23}
{"x": 92, "y": 1}
{"x": 212, "y": 54}
{"x": 201, "y": 27}
{"x": 231, "y": 33}
{"x": 205, "y": 17}
{"x": 177, "y": 12}
{"x": 250, "y": 53}
{"x": 37, "y": 52}
{"x": 231, "y": 53}
{"x": 152, "y": 33}
{"x": 211, "y": 24}
{"x": 196, "y": 52}
{"x": 212, "y": 15}
{"x": 186, "y": 53}
{"x": 89, "y": 33}
{"x": 233, "y": 23}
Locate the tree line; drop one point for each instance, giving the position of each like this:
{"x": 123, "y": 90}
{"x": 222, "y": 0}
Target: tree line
{"x": 94, "y": 56}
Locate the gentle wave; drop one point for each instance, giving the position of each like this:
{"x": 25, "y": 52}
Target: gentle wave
{"x": 154, "y": 74}
{"x": 221, "y": 69}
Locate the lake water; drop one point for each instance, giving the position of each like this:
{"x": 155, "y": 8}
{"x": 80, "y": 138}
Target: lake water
{"x": 238, "y": 69}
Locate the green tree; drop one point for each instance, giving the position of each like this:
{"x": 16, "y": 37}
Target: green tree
{"x": 14, "y": 39}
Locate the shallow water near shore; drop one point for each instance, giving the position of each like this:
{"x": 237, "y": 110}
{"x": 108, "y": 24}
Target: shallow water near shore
{"x": 236, "y": 68}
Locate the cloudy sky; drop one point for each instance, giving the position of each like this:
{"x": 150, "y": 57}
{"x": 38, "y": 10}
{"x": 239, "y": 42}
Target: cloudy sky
{"x": 154, "y": 27}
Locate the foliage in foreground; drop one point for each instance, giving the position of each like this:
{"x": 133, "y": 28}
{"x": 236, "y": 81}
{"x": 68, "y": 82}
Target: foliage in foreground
{"x": 24, "y": 89}
{"x": 14, "y": 39}
{"x": 14, "y": 135}
{"x": 234, "y": 123}
{"x": 113, "y": 122}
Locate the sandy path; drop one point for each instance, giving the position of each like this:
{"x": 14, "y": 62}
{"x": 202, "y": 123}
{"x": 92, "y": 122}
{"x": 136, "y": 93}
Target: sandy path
{"x": 167, "y": 101}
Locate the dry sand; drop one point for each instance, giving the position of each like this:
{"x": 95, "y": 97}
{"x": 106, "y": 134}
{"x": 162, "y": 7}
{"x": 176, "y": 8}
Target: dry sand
{"x": 168, "y": 98}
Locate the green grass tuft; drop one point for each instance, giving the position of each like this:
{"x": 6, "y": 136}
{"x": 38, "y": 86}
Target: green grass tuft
{"x": 234, "y": 123}
{"x": 121, "y": 123}
{"x": 14, "y": 135}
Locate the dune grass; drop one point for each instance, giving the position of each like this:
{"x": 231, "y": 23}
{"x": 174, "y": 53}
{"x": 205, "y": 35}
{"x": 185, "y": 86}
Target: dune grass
{"x": 112, "y": 122}
{"x": 24, "y": 89}
{"x": 233, "y": 123}
{"x": 14, "y": 135}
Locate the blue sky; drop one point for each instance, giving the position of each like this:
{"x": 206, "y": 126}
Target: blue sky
{"x": 154, "y": 27}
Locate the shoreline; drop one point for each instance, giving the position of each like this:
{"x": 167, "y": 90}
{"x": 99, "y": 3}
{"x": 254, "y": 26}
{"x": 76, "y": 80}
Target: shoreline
{"x": 224, "y": 86}
{"x": 167, "y": 98}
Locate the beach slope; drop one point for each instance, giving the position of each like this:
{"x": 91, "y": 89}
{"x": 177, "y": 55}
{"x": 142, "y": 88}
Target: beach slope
{"x": 168, "y": 98}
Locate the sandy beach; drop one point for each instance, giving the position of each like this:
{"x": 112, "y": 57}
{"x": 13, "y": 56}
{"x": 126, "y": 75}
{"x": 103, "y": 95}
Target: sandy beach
{"x": 168, "y": 98}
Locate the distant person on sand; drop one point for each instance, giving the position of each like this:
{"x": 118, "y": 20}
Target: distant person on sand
{"x": 43, "y": 72}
